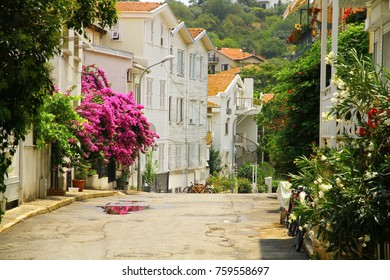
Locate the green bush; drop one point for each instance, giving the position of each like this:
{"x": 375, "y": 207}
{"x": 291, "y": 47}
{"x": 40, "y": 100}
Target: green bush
{"x": 244, "y": 185}
{"x": 220, "y": 183}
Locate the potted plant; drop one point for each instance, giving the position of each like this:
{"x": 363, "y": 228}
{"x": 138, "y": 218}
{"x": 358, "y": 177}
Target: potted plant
{"x": 80, "y": 175}
{"x": 123, "y": 180}
{"x": 150, "y": 172}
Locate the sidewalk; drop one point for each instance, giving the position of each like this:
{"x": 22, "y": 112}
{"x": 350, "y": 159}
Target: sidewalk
{"x": 48, "y": 204}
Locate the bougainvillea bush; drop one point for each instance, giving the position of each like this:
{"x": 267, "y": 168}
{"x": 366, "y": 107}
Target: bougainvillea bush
{"x": 115, "y": 126}
{"x": 350, "y": 185}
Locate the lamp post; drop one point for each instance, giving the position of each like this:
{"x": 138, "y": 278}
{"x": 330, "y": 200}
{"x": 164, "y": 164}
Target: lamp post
{"x": 165, "y": 59}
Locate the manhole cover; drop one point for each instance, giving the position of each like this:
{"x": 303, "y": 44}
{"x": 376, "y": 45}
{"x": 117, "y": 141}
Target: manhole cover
{"x": 124, "y": 207}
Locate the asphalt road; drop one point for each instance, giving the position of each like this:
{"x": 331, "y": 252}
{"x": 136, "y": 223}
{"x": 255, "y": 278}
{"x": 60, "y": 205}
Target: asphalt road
{"x": 171, "y": 227}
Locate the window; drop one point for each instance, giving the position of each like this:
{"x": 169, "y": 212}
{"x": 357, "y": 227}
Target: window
{"x": 180, "y": 62}
{"x": 115, "y": 32}
{"x": 170, "y": 109}
{"x": 162, "y": 35}
{"x": 151, "y": 30}
{"x": 149, "y": 92}
{"x": 192, "y": 112}
{"x": 192, "y": 66}
{"x": 190, "y": 156}
{"x": 171, "y": 61}
{"x": 179, "y": 110}
{"x": 225, "y": 67}
{"x": 178, "y": 156}
{"x": 171, "y": 159}
{"x": 386, "y": 50}
{"x": 201, "y": 71}
{"x": 161, "y": 157}
{"x": 162, "y": 94}
{"x": 227, "y": 126}
{"x": 212, "y": 69}
{"x": 199, "y": 115}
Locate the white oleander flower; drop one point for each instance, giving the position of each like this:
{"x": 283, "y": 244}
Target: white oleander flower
{"x": 318, "y": 181}
{"x": 330, "y": 58}
{"x": 325, "y": 188}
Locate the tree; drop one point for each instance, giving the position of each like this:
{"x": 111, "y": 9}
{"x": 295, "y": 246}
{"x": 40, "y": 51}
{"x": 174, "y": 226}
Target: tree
{"x": 291, "y": 118}
{"x": 215, "y": 161}
{"x": 30, "y": 32}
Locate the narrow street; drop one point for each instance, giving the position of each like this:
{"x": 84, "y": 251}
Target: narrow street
{"x": 171, "y": 227}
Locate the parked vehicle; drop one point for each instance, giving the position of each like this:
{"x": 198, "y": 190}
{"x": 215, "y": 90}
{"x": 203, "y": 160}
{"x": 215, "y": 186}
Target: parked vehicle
{"x": 292, "y": 222}
{"x": 199, "y": 188}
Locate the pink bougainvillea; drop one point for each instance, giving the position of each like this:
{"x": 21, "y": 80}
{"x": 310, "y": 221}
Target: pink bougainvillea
{"x": 115, "y": 127}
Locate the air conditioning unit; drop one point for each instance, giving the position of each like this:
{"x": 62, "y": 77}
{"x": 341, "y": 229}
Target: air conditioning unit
{"x": 115, "y": 34}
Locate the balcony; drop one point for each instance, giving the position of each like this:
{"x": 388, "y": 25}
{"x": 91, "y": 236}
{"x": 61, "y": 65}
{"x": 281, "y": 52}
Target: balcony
{"x": 213, "y": 59}
{"x": 244, "y": 104}
{"x": 332, "y": 131}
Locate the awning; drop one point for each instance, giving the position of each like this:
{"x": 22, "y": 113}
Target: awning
{"x": 295, "y": 5}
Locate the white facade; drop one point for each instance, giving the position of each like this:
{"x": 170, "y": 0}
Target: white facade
{"x": 187, "y": 103}
{"x": 232, "y": 123}
{"x": 174, "y": 95}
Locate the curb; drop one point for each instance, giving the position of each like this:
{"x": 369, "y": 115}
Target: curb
{"x": 32, "y": 209}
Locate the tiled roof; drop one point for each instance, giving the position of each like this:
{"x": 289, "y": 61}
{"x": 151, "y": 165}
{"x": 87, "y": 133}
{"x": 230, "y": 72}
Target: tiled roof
{"x": 235, "y": 54}
{"x": 137, "y": 6}
{"x": 195, "y": 31}
{"x": 212, "y": 104}
{"x": 219, "y": 82}
{"x": 238, "y": 54}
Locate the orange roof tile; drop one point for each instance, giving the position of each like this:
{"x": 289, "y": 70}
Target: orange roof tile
{"x": 238, "y": 54}
{"x": 195, "y": 31}
{"x": 235, "y": 54}
{"x": 212, "y": 104}
{"x": 219, "y": 82}
{"x": 137, "y": 6}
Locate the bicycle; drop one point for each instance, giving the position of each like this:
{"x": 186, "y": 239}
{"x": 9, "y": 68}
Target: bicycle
{"x": 199, "y": 188}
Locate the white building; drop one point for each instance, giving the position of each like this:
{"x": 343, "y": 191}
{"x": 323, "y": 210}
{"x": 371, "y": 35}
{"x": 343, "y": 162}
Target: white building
{"x": 174, "y": 92}
{"x": 231, "y": 118}
{"x": 188, "y": 153}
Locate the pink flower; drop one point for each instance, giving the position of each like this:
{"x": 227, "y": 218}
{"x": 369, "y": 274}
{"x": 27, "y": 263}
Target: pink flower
{"x": 115, "y": 125}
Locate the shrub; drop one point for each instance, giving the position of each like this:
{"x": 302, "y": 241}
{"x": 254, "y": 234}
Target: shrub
{"x": 244, "y": 185}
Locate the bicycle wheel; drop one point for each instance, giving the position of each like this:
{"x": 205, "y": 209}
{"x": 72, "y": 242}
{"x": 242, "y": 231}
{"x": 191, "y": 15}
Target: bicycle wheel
{"x": 292, "y": 229}
{"x": 299, "y": 240}
{"x": 187, "y": 189}
{"x": 210, "y": 190}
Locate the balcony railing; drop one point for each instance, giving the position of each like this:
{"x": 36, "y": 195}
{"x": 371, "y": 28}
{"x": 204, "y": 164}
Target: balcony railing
{"x": 213, "y": 59}
{"x": 332, "y": 131}
{"x": 243, "y": 104}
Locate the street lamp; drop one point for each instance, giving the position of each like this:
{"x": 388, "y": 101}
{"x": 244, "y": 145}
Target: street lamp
{"x": 165, "y": 59}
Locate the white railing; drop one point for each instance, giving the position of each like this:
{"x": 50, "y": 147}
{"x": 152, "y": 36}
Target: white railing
{"x": 327, "y": 127}
{"x": 332, "y": 131}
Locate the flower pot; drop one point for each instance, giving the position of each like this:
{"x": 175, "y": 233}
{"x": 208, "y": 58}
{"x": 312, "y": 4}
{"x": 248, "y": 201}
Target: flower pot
{"x": 79, "y": 184}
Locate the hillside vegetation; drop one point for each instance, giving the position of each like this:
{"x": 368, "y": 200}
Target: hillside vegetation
{"x": 240, "y": 25}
